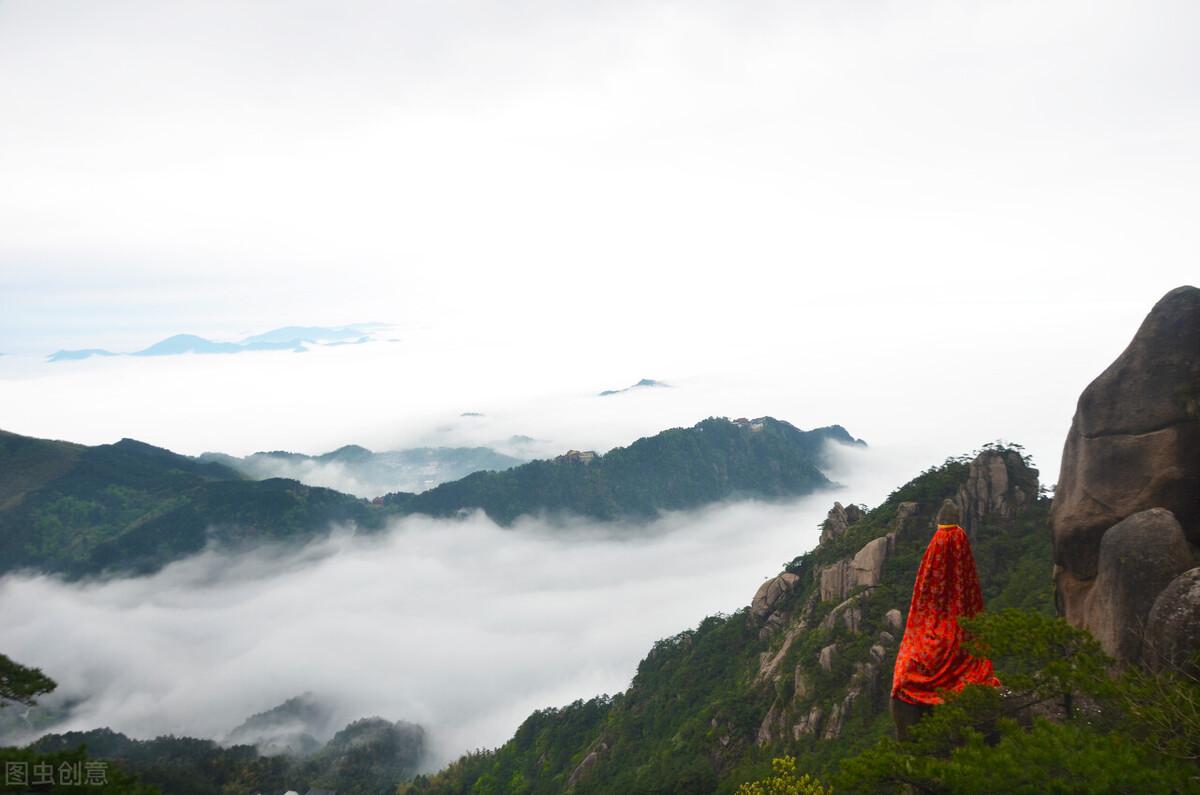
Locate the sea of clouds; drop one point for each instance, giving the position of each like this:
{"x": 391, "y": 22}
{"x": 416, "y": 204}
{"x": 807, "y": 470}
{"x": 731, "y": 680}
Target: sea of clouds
{"x": 460, "y": 625}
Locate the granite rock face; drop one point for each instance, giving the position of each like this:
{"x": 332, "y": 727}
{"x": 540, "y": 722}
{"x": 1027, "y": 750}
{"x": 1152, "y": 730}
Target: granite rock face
{"x": 1139, "y": 557}
{"x": 1173, "y": 629}
{"x": 586, "y": 765}
{"x": 838, "y": 520}
{"x": 771, "y": 593}
{"x": 999, "y": 483}
{"x": 837, "y": 580}
{"x": 1134, "y": 445}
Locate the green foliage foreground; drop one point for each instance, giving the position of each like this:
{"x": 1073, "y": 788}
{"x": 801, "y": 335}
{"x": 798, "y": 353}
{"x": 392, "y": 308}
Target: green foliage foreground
{"x": 1062, "y": 722}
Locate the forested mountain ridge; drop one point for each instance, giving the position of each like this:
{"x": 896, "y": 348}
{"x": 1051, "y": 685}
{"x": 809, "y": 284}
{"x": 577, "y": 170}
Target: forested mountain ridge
{"x": 676, "y": 469}
{"x": 804, "y": 664}
{"x": 130, "y": 507}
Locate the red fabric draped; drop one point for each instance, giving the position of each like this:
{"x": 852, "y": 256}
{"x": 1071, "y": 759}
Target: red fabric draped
{"x": 931, "y": 657}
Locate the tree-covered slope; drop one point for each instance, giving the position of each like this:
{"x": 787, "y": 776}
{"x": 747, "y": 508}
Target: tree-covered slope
{"x": 805, "y": 670}
{"x": 676, "y": 469}
{"x": 366, "y": 757}
{"x": 132, "y": 507}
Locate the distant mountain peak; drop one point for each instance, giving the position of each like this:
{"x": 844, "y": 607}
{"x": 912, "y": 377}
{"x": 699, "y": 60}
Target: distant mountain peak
{"x": 75, "y": 355}
{"x": 349, "y": 452}
{"x": 293, "y": 338}
{"x": 676, "y": 469}
{"x": 642, "y": 384}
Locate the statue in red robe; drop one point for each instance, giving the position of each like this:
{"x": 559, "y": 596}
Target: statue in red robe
{"x": 931, "y": 657}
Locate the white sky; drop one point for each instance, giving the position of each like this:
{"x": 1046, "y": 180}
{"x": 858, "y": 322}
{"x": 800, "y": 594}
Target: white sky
{"x": 224, "y": 167}
{"x": 831, "y": 206}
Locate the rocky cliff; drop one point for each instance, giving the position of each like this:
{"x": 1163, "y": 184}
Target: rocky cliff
{"x": 858, "y": 603}
{"x": 804, "y": 669}
{"x": 1126, "y": 514}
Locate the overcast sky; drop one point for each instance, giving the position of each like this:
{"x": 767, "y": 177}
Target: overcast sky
{"x": 910, "y": 218}
{"x": 692, "y": 170}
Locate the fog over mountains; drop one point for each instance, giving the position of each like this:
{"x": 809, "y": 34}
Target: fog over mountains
{"x": 553, "y": 613}
{"x": 364, "y": 473}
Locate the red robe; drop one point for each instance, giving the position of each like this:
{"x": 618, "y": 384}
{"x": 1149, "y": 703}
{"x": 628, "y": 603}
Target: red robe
{"x": 931, "y": 657}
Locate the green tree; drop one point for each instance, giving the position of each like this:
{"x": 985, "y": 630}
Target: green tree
{"x": 785, "y": 781}
{"x": 1062, "y": 722}
{"x": 20, "y": 684}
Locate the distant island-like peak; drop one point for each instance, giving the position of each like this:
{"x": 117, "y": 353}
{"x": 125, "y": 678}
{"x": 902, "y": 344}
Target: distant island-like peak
{"x": 642, "y": 384}
{"x": 288, "y": 338}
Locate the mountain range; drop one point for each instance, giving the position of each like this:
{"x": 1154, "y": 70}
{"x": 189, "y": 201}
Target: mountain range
{"x": 365, "y": 473}
{"x": 130, "y": 507}
{"x": 645, "y": 383}
{"x": 293, "y": 338}
{"x": 677, "y": 469}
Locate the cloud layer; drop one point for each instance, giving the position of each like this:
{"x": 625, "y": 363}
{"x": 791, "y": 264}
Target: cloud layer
{"x": 463, "y": 627}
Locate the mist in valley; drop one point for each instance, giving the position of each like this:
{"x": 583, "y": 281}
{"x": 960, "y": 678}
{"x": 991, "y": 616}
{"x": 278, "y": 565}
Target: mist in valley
{"x": 459, "y": 625}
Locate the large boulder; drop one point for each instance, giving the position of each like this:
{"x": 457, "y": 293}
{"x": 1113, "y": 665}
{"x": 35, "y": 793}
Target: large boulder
{"x": 1173, "y": 630}
{"x": 866, "y": 567}
{"x": 1138, "y": 557}
{"x": 1133, "y": 442}
{"x": 837, "y": 580}
{"x": 848, "y": 613}
{"x": 1132, "y": 446}
{"x": 771, "y": 593}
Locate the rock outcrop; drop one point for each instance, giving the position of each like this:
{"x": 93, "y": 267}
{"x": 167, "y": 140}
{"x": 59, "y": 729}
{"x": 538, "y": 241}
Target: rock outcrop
{"x": 827, "y": 657}
{"x": 999, "y": 483}
{"x": 810, "y": 723}
{"x": 587, "y": 763}
{"x": 848, "y": 614}
{"x": 839, "y": 520}
{"x": 771, "y": 592}
{"x": 768, "y": 662}
{"x": 907, "y": 520}
{"x": 865, "y": 569}
{"x": 768, "y": 598}
{"x": 1133, "y": 445}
